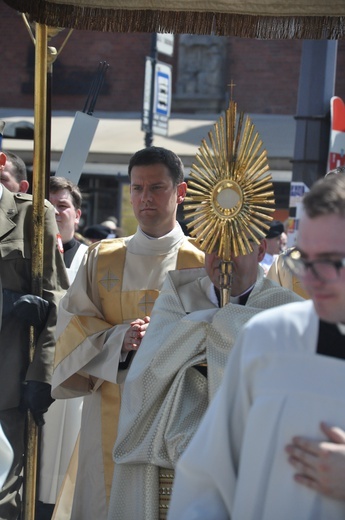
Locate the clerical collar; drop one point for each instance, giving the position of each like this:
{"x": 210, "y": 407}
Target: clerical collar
{"x": 241, "y": 299}
{"x": 155, "y": 238}
{"x": 1, "y": 190}
{"x": 68, "y": 245}
{"x": 164, "y": 245}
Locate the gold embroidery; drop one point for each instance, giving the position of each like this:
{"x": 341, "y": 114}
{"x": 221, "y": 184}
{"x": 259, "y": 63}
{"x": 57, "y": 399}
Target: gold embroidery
{"x": 146, "y": 303}
{"x": 109, "y": 281}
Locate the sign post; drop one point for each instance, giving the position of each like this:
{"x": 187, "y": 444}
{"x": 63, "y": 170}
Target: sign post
{"x": 157, "y": 89}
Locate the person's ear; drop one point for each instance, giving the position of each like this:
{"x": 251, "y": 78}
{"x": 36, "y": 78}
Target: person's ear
{"x": 77, "y": 216}
{"x": 3, "y": 159}
{"x": 181, "y": 192}
{"x": 262, "y": 249}
{"x": 23, "y": 186}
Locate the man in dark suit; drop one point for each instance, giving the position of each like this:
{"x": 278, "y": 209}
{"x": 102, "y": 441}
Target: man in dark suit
{"x": 25, "y": 384}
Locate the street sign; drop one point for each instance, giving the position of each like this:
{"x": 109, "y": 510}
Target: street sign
{"x": 161, "y": 99}
{"x": 165, "y": 43}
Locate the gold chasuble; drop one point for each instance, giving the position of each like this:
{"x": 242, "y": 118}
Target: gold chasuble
{"x": 118, "y": 283}
{"x": 123, "y": 307}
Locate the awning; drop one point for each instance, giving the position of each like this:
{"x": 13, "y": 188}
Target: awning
{"x": 305, "y": 19}
{"x": 118, "y": 136}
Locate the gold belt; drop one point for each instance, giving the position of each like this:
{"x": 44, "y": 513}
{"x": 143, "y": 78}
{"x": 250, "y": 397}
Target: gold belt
{"x": 166, "y": 480}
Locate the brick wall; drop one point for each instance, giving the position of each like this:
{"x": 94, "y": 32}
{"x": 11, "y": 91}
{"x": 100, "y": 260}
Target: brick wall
{"x": 265, "y": 72}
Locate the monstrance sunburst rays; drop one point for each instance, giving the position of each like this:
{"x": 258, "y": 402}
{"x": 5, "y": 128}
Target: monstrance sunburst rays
{"x": 230, "y": 196}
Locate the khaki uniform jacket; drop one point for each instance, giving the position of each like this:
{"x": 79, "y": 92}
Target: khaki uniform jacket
{"x": 15, "y": 273}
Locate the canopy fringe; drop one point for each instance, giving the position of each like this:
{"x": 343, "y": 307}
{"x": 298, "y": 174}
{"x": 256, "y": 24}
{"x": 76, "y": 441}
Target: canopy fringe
{"x": 182, "y": 22}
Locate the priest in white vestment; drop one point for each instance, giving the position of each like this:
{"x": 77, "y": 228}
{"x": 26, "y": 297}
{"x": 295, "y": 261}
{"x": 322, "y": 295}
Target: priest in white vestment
{"x": 285, "y": 375}
{"x": 166, "y": 392}
{"x": 105, "y": 313}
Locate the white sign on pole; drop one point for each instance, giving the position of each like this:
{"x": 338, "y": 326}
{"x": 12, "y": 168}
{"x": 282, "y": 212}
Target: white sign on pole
{"x": 165, "y": 43}
{"x": 161, "y": 98}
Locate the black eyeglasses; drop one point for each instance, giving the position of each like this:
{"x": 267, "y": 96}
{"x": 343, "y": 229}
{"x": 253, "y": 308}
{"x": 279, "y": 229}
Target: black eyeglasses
{"x": 323, "y": 269}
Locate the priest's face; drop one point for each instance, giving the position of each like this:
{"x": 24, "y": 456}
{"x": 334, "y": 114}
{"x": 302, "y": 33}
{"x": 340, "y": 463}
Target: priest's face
{"x": 322, "y": 238}
{"x": 154, "y": 198}
{"x": 245, "y": 268}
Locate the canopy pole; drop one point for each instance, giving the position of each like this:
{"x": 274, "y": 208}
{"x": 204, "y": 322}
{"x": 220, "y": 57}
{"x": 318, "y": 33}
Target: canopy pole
{"x": 39, "y": 167}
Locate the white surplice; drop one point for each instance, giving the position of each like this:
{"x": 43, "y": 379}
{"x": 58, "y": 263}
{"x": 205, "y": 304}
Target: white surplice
{"x": 165, "y": 396}
{"x": 275, "y": 387}
{"x": 61, "y": 428}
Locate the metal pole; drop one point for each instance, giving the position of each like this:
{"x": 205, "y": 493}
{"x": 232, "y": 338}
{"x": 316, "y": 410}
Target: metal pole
{"x": 225, "y": 269}
{"x": 149, "y": 134}
{"x": 40, "y": 135}
{"x": 316, "y": 87}
{"x": 225, "y": 281}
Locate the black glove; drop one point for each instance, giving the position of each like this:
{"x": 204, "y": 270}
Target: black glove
{"x": 36, "y": 396}
{"x": 32, "y": 309}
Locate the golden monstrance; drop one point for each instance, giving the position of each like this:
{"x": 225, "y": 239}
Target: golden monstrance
{"x": 230, "y": 195}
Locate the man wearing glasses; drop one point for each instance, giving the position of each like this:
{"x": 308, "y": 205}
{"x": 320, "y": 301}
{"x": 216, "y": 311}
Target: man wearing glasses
{"x": 285, "y": 376}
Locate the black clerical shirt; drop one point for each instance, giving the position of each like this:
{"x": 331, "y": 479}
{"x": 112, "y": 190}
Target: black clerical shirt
{"x": 331, "y": 341}
{"x": 70, "y": 248}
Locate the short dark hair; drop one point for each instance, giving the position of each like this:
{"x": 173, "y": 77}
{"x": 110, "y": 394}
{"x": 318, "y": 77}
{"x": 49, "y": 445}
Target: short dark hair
{"x": 61, "y": 183}
{"x": 19, "y": 168}
{"x": 158, "y": 155}
{"x": 326, "y": 197}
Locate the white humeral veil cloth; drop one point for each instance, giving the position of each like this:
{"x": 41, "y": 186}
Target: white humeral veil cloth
{"x": 164, "y": 396}
{"x": 275, "y": 387}
{"x": 61, "y": 428}
{"x": 117, "y": 282}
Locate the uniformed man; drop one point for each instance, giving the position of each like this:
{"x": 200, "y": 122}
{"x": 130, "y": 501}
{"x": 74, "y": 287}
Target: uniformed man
{"x": 25, "y": 384}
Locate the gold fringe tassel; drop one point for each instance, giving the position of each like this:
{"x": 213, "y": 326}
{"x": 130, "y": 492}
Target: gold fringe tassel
{"x": 182, "y": 22}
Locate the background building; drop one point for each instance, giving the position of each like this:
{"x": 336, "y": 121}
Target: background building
{"x": 266, "y": 74}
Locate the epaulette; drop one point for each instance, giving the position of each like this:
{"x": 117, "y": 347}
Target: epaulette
{"x": 48, "y": 204}
{"x": 23, "y": 196}
{"x": 27, "y": 197}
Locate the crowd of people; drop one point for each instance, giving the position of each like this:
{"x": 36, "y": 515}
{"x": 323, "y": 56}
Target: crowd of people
{"x": 139, "y": 370}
